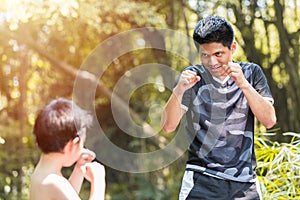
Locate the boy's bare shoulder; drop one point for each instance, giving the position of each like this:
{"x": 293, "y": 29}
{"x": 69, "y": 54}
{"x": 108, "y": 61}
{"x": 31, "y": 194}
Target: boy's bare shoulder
{"x": 51, "y": 186}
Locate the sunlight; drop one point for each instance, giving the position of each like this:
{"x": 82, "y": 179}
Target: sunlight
{"x": 193, "y": 3}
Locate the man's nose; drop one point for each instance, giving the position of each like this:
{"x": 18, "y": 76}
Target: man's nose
{"x": 213, "y": 61}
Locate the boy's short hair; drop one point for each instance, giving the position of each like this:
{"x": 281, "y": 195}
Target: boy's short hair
{"x": 59, "y": 122}
{"x": 213, "y": 29}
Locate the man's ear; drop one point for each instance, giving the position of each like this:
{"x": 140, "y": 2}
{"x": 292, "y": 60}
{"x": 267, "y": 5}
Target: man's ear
{"x": 233, "y": 47}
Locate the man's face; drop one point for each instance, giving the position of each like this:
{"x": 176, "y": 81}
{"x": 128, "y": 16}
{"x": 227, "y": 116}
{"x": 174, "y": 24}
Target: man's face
{"x": 214, "y": 56}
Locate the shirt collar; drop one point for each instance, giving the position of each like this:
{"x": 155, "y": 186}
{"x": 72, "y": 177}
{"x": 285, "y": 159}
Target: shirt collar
{"x": 221, "y": 82}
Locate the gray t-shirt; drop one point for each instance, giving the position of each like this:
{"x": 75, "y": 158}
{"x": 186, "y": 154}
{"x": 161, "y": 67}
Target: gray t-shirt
{"x": 221, "y": 124}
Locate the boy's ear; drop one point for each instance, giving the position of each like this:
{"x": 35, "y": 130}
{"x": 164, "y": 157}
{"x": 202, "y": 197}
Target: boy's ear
{"x": 71, "y": 144}
{"x": 76, "y": 140}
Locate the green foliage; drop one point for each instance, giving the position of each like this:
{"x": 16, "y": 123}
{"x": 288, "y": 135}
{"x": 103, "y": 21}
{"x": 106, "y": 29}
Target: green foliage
{"x": 279, "y": 167}
{"x": 18, "y": 155}
{"x": 162, "y": 184}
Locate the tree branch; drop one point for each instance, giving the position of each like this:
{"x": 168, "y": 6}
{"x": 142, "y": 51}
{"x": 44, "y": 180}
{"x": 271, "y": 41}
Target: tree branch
{"x": 67, "y": 68}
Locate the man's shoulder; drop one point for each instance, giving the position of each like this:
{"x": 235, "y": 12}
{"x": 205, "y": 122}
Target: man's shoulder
{"x": 249, "y": 65}
{"x": 194, "y": 68}
{"x": 251, "y": 69}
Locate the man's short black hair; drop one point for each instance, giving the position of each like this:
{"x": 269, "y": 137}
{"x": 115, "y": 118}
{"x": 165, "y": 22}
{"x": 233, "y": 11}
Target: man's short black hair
{"x": 213, "y": 29}
{"x": 58, "y": 123}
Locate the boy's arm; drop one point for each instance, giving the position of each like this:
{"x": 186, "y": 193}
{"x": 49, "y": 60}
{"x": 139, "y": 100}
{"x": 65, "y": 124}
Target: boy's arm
{"x": 95, "y": 174}
{"x": 77, "y": 176}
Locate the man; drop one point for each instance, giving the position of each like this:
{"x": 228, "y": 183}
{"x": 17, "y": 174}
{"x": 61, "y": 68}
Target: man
{"x": 60, "y": 131}
{"x": 220, "y": 98}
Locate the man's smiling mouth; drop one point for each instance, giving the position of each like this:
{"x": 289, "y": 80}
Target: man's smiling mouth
{"x": 215, "y": 68}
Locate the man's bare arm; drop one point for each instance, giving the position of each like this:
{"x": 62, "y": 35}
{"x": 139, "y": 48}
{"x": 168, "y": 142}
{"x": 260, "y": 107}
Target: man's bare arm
{"x": 173, "y": 112}
{"x": 261, "y": 108}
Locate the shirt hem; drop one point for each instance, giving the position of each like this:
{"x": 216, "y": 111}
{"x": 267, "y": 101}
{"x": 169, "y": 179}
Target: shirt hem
{"x": 203, "y": 170}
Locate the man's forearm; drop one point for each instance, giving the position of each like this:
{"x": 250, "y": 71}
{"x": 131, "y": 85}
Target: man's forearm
{"x": 173, "y": 112}
{"x": 261, "y": 108}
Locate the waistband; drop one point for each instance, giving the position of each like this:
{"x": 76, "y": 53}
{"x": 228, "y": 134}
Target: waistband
{"x": 202, "y": 170}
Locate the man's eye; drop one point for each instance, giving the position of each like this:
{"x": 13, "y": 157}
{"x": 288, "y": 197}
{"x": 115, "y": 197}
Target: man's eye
{"x": 218, "y": 54}
{"x": 204, "y": 55}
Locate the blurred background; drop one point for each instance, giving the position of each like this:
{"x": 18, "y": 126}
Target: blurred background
{"x": 43, "y": 44}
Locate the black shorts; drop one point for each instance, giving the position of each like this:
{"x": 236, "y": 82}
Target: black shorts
{"x": 197, "y": 186}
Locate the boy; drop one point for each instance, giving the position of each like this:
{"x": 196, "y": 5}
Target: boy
{"x": 60, "y": 131}
{"x": 220, "y": 97}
